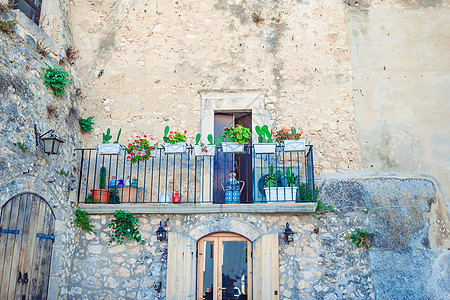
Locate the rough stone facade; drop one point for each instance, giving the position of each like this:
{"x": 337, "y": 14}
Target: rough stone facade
{"x": 24, "y": 102}
{"x": 320, "y": 264}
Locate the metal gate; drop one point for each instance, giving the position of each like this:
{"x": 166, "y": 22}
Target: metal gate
{"x": 26, "y": 243}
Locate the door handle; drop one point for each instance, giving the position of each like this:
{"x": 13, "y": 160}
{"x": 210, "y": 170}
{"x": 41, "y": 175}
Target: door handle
{"x": 19, "y": 280}
{"x": 221, "y": 288}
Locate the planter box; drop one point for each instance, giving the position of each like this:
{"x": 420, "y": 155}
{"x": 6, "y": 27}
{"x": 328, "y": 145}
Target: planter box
{"x": 129, "y": 194}
{"x": 265, "y": 148}
{"x": 277, "y": 194}
{"x": 153, "y": 152}
{"x": 230, "y": 147}
{"x": 109, "y": 149}
{"x": 177, "y": 148}
{"x": 101, "y": 194}
{"x": 210, "y": 148}
{"x": 292, "y": 146}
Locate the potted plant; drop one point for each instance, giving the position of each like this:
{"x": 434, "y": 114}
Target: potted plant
{"x": 291, "y": 139}
{"x": 265, "y": 143}
{"x": 200, "y": 149}
{"x": 141, "y": 150}
{"x": 274, "y": 189}
{"x": 175, "y": 141}
{"x": 105, "y": 148}
{"x": 102, "y": 194}
{"x": 235, "y": 138}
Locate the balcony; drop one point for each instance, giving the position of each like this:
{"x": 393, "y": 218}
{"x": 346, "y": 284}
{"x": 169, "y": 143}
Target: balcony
{"x": 188, "y": 184}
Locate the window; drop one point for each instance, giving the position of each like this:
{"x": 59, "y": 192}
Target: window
{"x": 31, "y": 8}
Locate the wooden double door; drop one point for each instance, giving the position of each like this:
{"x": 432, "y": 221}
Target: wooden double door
{"x": 26, "y": 244}
{"x": 224, "y": 267}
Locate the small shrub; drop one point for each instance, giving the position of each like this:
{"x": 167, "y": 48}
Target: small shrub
{"x": 41, "y": 49}
{"x": 256, "y": 16}
{"x": 82, "y": 221}
{"x": 86, "y": 124}
{"x": 90, "y": 200}
{"x": 56, "y": 79}
{"x": 320, "y": 209}
{"x": 124, "y": 226}
{"x": 63, "y": 172}
{"x": 71, "y": 54}
{"x": 277, "y": 18}
{"x": 362, "y": 238}
{"x": 21, "y": 146}
{"x": 8, "y": 26}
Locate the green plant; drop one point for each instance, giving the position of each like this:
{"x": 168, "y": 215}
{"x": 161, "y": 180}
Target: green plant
{"x": 173, "y": 137}
{"x": 102, "y": 178}
{"x": 210, "y": 141}
{"x": 277, "y": 18}
{"x": 361, "y": 237}
{"x": 237, "y": 134}
{"x": 41, "y": 49}
{"x": 306, "y": 193}
{"x": 256, "y": 16}
{"x": 291, "y": 178}
{"x": 287, "y": 134}
{"x": 63, "y": 172}
{"x": 90, "y": 200}
{"x": 107, "y": 136}
{"x": 320, "y": 209}
{"x": 81, "y": 220}
{"x": 21, "y": 146}
{"x": 140, "y": 149}
{"x": 366, "y": 211}
{"x": 264, "y": 134}
{"x": 273, "y": 179}
{"x": 86, "y": 124}
{"x": 124, "y": 226}
{"x": 114, "y": 198}
{"x": 8, "y": 26}
{"x": 56, "y": 79}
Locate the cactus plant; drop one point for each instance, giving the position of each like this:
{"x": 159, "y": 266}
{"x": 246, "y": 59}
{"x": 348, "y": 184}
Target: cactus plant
{"x": 107, "y": 137}
{"x": 118, "y": 135}
{"x": 291, "y": 178}
{"x": 102, "y": 178}
{"x": 264, "y": 134}
{"x": 197, "y": 138}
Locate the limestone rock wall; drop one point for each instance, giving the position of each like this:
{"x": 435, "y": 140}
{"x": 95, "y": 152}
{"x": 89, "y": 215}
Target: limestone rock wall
{"x": 24, "y": 101}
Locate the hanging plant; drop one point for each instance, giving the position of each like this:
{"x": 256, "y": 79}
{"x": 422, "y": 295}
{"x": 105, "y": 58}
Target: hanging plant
{"x": 124, "y": 226}
{"x": 360, "y": 238}
{"x": 82, "y": 221}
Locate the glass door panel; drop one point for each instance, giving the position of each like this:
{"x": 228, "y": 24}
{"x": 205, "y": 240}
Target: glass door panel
{"x": 208, "y": 270}
{"x": 234, "y": 270}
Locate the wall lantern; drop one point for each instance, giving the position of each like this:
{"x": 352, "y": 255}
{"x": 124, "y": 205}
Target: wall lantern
{"x": 48, "y": 142}
{"x": 288, "y": 234}
{"x": 161, "y": 233}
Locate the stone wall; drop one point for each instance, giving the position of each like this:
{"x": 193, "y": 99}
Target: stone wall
{"x": 401, "y": 71}
{"x": 142, "y": 64}
{"x": 24, "y": 102}
{"x": 412, "y": 244}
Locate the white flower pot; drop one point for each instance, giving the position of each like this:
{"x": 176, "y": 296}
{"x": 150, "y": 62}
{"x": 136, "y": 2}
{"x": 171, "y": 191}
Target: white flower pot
{"x": 109, "y": 149}
{"x": 265, "y": 148}
{"x": 231, "y": 147}
{"x": 153, "y": 152}
{"x": 211, "y": 150}
{"x": 278, "y": 194}
{"x": 296, "y": 145}
{"x": 177, "y": 148}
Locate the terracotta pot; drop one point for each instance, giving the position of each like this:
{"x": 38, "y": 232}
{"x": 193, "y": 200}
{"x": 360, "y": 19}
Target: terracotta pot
{"x": 130, "y": 194}
{"x": 101, "y": 194}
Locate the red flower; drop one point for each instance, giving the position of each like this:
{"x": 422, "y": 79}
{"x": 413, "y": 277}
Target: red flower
{"x": 185, "y": 131}
{"x": 128, "y": 157}
{"x": 139, "y": 153}
{"x": 131, "y": 153}
{"x": 146, "y": 153}
{"x": 145, "y": 136}
{"x": 140, "y": 140}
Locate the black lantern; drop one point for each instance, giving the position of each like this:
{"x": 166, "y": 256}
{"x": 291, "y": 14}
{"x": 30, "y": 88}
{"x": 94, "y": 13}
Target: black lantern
{"x": 48, "y": 141}
{"x": 161, "y": 233}
{"x": 288, "y": 234}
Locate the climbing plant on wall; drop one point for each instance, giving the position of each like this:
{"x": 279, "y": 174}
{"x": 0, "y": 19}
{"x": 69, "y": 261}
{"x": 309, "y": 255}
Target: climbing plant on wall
{"x": 124, "y": 225}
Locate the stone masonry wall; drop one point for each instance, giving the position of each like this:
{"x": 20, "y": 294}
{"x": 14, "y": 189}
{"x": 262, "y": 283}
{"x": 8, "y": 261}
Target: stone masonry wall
{"x": 142, "y": 64}
{"x": 409, "y": 257}
{"x": 24, "y": 101}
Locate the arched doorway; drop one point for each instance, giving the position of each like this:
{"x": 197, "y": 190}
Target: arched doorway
{"x": 26, "y": 243}
{"x": 224, "y": 267}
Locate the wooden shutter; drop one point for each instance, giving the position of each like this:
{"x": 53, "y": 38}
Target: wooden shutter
{"x": 181, "y": 267}
{"x": 266, "y": 278}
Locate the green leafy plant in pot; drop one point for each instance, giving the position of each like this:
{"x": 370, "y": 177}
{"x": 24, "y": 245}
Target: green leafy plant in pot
{"x": 235, "y": 138}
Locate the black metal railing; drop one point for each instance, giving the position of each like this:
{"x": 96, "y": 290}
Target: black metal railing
{"x": 260, "y": 178}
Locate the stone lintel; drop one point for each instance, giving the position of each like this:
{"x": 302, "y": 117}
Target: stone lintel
{"x": 150, "y": 208}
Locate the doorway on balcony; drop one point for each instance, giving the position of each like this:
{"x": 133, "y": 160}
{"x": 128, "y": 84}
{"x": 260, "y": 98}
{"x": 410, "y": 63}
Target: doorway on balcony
{"x": 224, "y": 163}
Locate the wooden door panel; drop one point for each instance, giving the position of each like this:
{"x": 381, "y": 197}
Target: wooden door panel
{"x": 24, "y": 253}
